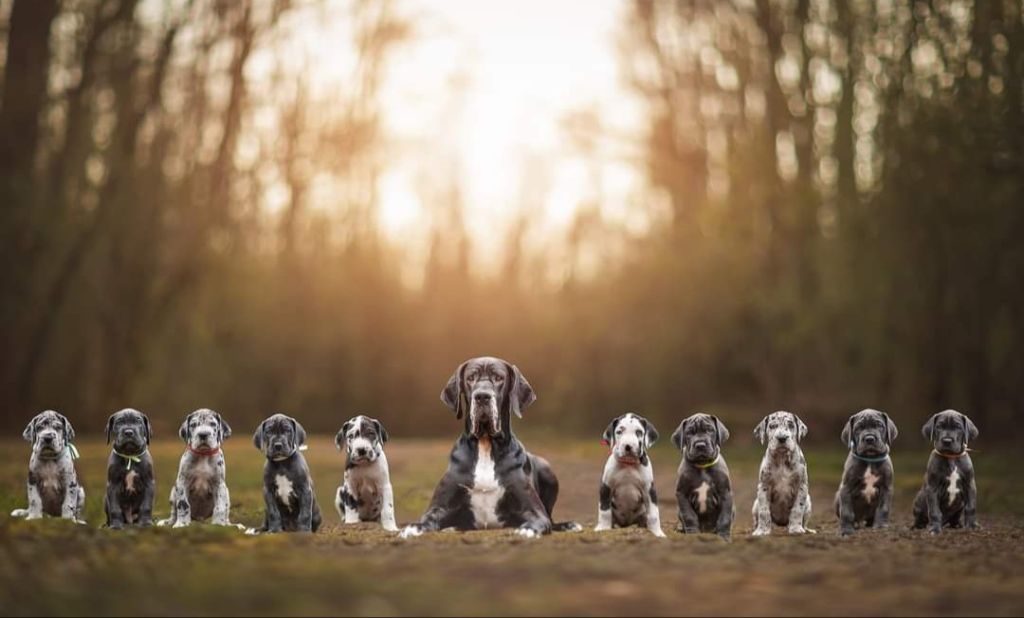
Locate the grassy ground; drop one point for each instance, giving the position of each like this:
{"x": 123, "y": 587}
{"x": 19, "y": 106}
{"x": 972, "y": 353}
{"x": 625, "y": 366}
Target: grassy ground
{"x": 53, "y": 567}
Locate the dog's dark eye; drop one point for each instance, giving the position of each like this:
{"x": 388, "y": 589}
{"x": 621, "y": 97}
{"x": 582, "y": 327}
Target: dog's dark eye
{"x": 499, "y": 379}
{"x": 639, "y": 433}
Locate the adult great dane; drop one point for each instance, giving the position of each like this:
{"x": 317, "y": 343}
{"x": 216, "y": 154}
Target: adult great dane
{"x": 492, "y": 481}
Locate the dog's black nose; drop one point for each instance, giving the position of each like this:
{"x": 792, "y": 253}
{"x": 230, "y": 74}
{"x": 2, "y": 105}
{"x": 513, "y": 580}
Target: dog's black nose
{"x": 47, "y": 439}
{"x": 361, "y": 452}
{"x": 947, "y": 440}
{"x": 870, "y": 439}
{"x": 782, "y": 438}
{"x": 482, "y": 398}
{"x": 628, "y": 448}
{"x": 129, "y": 433}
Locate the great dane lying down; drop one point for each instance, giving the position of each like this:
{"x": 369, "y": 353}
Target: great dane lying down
{"x": 201, "y": 490}
{"x": 491, "y": 482}
{"x": 949, "y": 495}
{"x": 365, "y": 492}
{"x": 627, "y": 496}
{"x": 53, "y": 487}
{"x": 783, "y": 496}
{"x": 865, "y": 493}
{"x": 288, "y": 494}
{"x": 131, "y": 483}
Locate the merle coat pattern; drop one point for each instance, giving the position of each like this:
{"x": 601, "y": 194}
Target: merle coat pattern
{"x": 949, "y": 495}
{"x": 365, "y": 492}
{"x": 865, "y": 492}
{"x": 783, "y": 493}
{"x": 288, "y": 494}
{"x": 491, "y": 481}
{"x": 53, "y": 486}
{"x": 703, "y": 488}
{"x": 200, "y": 491}
{"x": 131, "y": 483}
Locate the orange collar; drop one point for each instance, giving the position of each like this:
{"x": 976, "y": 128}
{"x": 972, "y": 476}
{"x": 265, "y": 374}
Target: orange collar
{"x": 957, "y": 456}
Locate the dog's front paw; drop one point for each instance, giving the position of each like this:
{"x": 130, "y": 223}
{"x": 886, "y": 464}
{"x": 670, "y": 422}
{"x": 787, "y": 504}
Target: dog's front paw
{"x": 761, "y": 532}
{"x": 974, "y": 526}
{"x": 180, "y": 524}
{"x": 33, "y": 516}
{"x": 251, "y": 531}
{"x": 527, "y": 533}
{"x": 80, "y": 522}
{"x": 602, "y": 528}
{"x": 658, "y": 532}
{"x": 797, "y": 529}
{"x": 115, "y": 526}
{"x": 726, "y": 535}
{"x": 410, "y": 532}
{"x": 163, "y": 523}
{"x": 389, "y": 527}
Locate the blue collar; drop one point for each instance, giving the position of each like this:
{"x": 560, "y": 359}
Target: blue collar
{"x": 870, "y": 459}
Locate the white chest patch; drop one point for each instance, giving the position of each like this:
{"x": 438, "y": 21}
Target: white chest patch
{"x": 486, "y": 490}
{"x": 129, "y": 481}
{"x": 870, "y": 480}
{"x": 702, "y": 497}
{"x": 954, "y": 488}
{"x": 284, "y": 490}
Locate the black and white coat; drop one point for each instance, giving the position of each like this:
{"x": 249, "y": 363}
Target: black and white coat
{"x": 627, "y": 496}
{"x": 365, "y": 492}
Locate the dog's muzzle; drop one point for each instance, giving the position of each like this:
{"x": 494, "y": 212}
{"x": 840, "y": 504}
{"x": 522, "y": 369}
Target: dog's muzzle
{"x": 483, "y": 415}
{"x": 49, "y": 444}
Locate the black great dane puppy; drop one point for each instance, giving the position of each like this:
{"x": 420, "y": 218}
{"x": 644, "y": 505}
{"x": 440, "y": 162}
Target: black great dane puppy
{"x": 131, "y": 483}
{"x": 491, "y": 482}
{"x": 288, "y": 493}
{"x": 865, "y": 493}
{"x": 949, "y": 495}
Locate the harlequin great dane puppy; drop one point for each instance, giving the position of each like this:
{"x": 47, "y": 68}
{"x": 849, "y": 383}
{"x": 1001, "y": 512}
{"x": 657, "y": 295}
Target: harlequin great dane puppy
{"x": 131, "y": 483}
{"x": 288, "y": 493}
{"x": 703, "y": 489}
{"x": 783, "y": 497}
{"x": 491, "y": 482}
{"x": 949, "y": 496}
{"x": 865, "y": 493}
{"x": 365, "y": 492}
{"x": 201, "y": 490}
{"x": 627, "y": 496}
{"x": 53, "y": 487}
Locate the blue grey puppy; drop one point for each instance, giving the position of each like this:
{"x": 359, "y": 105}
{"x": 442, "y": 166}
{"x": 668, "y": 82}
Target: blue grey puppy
{"x": 53, "y": 487}
{"x": 131, "y": 483}
{"x": 703, "y": 489}
{"x": 291, "y": 504}
{"x": 949, "y": 496}
{"x": 865, "y": 493}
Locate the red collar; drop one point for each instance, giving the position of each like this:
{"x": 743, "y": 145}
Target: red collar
{"x": 957, "y": 456}
{"x": 212, "y": 453}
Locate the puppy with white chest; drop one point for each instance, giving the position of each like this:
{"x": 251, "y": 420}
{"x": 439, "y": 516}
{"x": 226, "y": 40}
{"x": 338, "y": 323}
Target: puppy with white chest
{"x": 131, "y": 483}
{"x": 201, "y": 491}
{"x": 53, "y": 487}
{"x": 627, "y": 495}
{"x": 703, "y": 489}
{"x": 365, "y": 492}
{"x": 288, "y": 494}
{"x": 865, "y": 493}
{"x": 949, "y": 495}
{"x": 783, "y": 495}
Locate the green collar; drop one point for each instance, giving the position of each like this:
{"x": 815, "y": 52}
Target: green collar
{"x": 705, "y": 466}
{"x": 130, "y": 459}
{"x": 69, "y": 448}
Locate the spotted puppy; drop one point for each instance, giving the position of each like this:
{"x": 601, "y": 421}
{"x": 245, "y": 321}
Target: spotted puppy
{"x": 865, "y": 493}
{"x": 949, "y": 496}
{"x": 704, "y": 489}
{"x": 53, "y": 487}
{"x": 783, "y": 497}
{"x": 201, "y": 490}
{"x": 291, "y": 504}
{"x": 131, "y": 483}
{"x": 627, "y": 496}
{"x": 365, "y": 491}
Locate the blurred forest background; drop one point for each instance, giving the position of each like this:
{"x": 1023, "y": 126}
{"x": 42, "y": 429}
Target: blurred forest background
{"x": 834, "y": 191}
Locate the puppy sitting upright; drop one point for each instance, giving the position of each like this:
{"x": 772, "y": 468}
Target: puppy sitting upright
{"x": 865, "y": 493}
{"x": 949, "y": 496}
{"x": 201, "y": 490}
{"x": 783, "y": 496}
{"x": 365, "y": 492}
{"x": 131, "y": 483}
{"x": 704, "y": 489}
{"x": 53, "y": 487}
{"x": 627, "y": 496}
{"x": 291, "y": 504}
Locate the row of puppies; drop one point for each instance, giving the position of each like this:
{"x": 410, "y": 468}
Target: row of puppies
{"x": 200, "y": 490}
{"x": 627, "y": 496}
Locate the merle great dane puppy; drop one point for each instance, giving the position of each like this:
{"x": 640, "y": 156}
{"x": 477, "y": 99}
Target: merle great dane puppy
{"x": 949, "y": 495}
{"x": 365, "y": 492}
{"x": 131, "y": 483}
{"x": 783, "y": 495}
{"x": 291, "y": 504}
{"x": 53, "y": 487}
{"x": 201, "y": 490}
{"x": 703, "y": 489}
{"x": 492, "y": 481}
{"x": 865, "y": 492}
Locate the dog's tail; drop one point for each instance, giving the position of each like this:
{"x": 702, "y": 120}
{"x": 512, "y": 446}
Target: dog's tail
{"x": 566, "y": 526}
{"x": 19, "y": 513}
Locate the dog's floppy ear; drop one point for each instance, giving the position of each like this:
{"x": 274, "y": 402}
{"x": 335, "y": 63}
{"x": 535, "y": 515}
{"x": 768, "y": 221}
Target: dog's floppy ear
{"x": 847, "y": 436}
{"x": 609, "y": 432}
{"x": 801, "y": 428}
{"x": 257, "y": 438}
{"x": 184, "y": 430}
{"x": 969, "y": 427}
{"x": 929, "y": 427}
{"x": 149, "y": 432}
{"x": 300, "y": 433}
{"x": 340, "y": 436}
{"x": 761, "y": 431}
{"x": 110, "y": 426}
{"x": 452, "y": 395}
{"x": 720, "y": 430}
{"x": 650, "y": 433}
{"x": 30, "y": 431}
{"x": 225, "y": 429}
{"x": 890, "y": 429}
{"x": 381, "y": 432}
{"x": 69, "y": 431}
{"x": 520, "y": 393}
{"x": 677, "y": 435}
